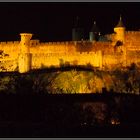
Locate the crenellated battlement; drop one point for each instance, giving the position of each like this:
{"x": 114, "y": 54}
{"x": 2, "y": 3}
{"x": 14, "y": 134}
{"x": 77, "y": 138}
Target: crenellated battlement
{"x": 34, "y": 42}
{"x": 10, "y": 43}
{"x": 133, "y": 32}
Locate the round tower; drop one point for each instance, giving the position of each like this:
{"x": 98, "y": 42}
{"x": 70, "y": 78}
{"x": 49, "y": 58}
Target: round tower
{"x": 120, "y": 31}
{"x": 24, "y": 62}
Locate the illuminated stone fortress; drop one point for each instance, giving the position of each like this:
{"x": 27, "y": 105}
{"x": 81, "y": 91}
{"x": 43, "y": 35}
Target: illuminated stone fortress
{"x": 121, "y": 48}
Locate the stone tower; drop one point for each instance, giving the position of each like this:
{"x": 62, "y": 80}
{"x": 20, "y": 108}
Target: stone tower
{"x": 24, "y": 60}
{"x": 120, "y": 36}
{"x": 120, "y": 31}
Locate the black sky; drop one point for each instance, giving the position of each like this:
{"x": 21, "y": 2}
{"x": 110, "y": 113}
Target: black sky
{"x": 54, "y": 21}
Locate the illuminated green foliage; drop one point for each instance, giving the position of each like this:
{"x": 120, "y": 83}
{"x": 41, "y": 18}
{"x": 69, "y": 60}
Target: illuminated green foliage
{"x": 72, "y": 82}
{"x": 7, "y": 84}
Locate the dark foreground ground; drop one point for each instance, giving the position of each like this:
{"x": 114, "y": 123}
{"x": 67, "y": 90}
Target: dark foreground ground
{"x": 41, "y": 130}
{"x": 94, "y": 115}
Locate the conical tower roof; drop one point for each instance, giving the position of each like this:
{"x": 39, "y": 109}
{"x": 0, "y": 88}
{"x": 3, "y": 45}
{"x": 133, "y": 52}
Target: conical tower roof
{"x": 95, "y": 28}
{"x": 77, "y": 23}
{"x": 120, "y": 23}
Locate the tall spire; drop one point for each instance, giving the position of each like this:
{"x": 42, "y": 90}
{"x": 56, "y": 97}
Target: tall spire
{"x": 77, "y": 22}
{"x": 120, "y": 17}
{"x": 120, "y": 23}
{"x": 94, "y": 27}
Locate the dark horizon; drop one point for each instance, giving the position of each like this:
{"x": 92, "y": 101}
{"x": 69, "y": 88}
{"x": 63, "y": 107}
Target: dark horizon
{"x": 54, "y": 21}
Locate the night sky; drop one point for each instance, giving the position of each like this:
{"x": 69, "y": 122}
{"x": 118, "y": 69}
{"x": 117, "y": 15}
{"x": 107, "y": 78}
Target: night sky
{"x": 54, "y": 21}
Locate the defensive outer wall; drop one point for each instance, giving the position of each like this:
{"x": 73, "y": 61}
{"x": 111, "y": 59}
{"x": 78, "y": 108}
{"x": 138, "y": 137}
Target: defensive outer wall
{"x": 28, "y": 54}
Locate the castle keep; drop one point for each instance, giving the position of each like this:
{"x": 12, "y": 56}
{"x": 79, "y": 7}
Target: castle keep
{"x": 121, "y": 48}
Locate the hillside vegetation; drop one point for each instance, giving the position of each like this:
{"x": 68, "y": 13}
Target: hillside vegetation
{"x": 72, "y": 81}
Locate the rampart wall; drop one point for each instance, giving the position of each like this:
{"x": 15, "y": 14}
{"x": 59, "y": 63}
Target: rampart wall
{"x": 48, "y": 60}
{"x": 133, "y": 57}
{"x": 10, "y": 49}
{"x": 51, "y": 54}
{"x": 132, "y": 36}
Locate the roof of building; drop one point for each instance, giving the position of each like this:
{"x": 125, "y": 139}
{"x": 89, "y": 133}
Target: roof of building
{"x": 95, "y": 28}
{"x": 120, "y": 23}
{"x": 77, "y": 23}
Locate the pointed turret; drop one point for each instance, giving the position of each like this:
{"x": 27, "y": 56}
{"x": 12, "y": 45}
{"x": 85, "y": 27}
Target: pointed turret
{"x": 120, "y": 23}
{"x": 94, "y": 32}
{"x": 120, "y": 31}
{"x": 94, "y": 28}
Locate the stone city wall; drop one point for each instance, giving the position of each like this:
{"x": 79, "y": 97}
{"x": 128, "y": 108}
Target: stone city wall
{"x": 48, "y": 54}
